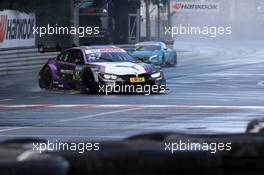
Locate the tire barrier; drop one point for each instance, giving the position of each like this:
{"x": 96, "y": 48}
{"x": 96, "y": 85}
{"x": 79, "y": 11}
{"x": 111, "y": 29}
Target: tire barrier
{"x": 141, "y": 154}
{"x": 146, "y": 154}
{"x": 15, "y": 159}
{"x": 256, "y": 126}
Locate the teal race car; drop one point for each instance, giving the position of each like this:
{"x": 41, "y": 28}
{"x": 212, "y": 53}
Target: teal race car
{"x": 154, "y": 52}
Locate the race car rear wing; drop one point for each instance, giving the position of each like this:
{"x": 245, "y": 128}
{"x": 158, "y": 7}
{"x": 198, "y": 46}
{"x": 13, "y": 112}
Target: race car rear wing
{"x": 58, "y": 48}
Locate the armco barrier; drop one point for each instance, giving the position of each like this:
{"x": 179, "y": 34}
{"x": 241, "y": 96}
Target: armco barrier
{"x": 15, "y": 61}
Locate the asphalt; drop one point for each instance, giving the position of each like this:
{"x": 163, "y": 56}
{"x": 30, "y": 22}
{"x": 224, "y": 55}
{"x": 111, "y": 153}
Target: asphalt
{"x": 218, "y": 89}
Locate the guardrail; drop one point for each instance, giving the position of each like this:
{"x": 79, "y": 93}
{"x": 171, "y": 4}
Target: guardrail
{"x": 17, "y": 61}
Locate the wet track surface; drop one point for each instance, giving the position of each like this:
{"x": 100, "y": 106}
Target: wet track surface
{"x": 217, "y": 90}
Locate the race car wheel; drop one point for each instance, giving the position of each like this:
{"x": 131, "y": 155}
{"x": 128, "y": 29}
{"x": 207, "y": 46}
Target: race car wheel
{"x": 88, "y": 84}
{"x": 45, "y": 80}
{"x": 93, "y": 86}
{"x": 174, "y": 61}
{"x": 164, "y": 63}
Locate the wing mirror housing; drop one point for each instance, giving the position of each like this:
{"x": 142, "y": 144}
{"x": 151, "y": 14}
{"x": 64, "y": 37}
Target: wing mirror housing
{"x": 140, "y": 59}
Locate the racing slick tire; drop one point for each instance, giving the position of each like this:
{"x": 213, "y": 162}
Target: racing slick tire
{"x": 88, "y": 84}
{"x": 17, "y": 158}
{"x": 175, "y": 61}
{"x": 45, "y": 79}
{"x": 164, "y": 62}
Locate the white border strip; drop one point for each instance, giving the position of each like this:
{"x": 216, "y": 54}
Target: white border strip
{"x": 3, "y": 106}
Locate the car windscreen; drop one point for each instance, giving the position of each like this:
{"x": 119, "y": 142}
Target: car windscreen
{"x": 148, "y": 48}
{"x": 109, "y": 57}
{"x": 93, "y": 4}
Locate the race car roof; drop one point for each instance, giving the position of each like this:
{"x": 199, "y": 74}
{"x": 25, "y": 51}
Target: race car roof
{"x": 155, "y": 43}
{"x": 99, "y": 47}
{"x": 102, "y": 49}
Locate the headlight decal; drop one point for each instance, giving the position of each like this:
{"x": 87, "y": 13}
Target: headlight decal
{"x": 156, "y": 75}
{"x": 106, "y": 76}
{"x": 114, "y": 77}
{"x": 110, "y": 76}
{"x": 153, "y": 57}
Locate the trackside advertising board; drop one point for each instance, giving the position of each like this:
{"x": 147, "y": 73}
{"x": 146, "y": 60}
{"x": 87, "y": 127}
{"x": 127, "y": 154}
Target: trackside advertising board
{"x": 16, "y": 29}
{"x": 194, "y": 6}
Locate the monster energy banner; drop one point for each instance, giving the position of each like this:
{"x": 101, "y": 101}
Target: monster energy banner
{"x": 16, "y": 29}
{"x": 178, "y": 6}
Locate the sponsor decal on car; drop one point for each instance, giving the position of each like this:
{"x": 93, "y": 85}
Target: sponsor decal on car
{"x": 66, "y": 71}
{"x": 77, "y": 73}
{"x": 107, "y": 50}
{"x": 137, "y": 80}
{"x": 77, "y": 76}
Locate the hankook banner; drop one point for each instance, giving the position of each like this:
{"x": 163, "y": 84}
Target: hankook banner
{"x": 198, "y": 6}
{"x": 16, "y": 29}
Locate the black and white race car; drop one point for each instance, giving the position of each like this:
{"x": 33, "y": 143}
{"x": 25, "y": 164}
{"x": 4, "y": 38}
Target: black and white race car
{"x": 100, "y": 69}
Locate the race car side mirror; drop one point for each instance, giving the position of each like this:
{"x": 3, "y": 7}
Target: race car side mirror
{"x": 157, "y": 66}
{"x": 140, "y": 59}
